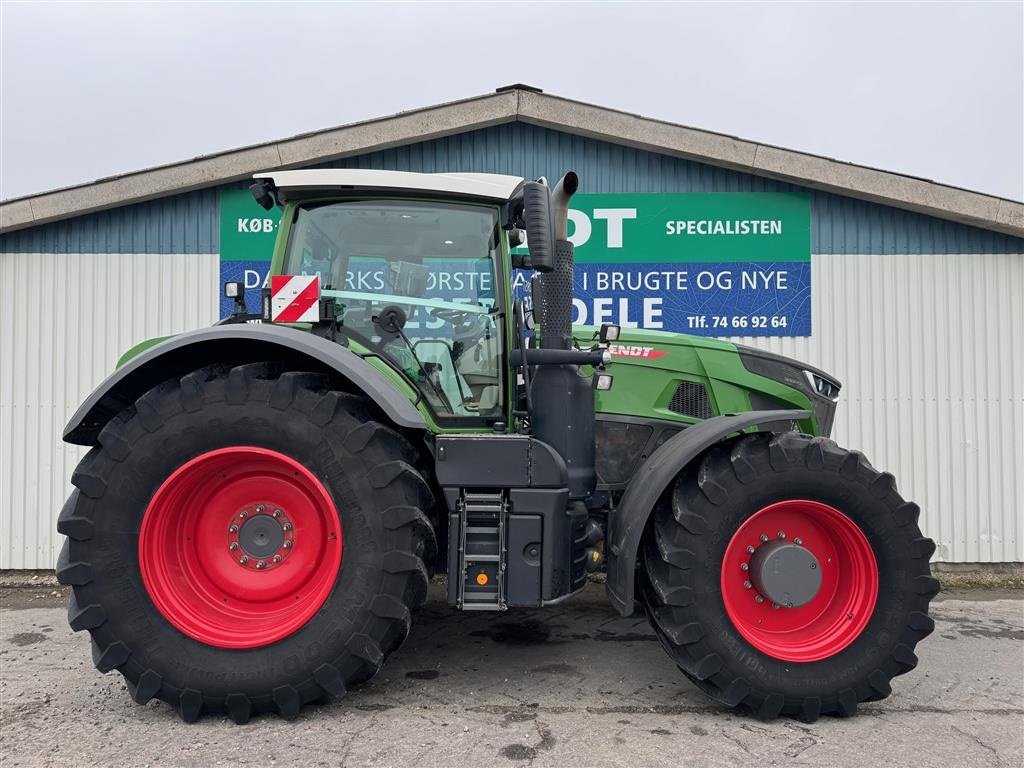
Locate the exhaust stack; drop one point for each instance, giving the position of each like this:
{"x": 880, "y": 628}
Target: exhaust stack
{"x": 552, "y": 292}
{"x": 564, "y": 189}
{"x": 563, "y": 399}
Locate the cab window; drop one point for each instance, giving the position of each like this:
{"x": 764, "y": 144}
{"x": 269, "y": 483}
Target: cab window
{"x": 430, "y": 264}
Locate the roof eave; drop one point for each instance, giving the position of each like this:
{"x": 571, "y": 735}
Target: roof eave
{"x": 813, "y": 171}
{"x": 530, "y": 106}
{"x": 225, "y": 167}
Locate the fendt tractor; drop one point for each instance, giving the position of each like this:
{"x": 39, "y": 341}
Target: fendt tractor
{"x": 265, "y": 501}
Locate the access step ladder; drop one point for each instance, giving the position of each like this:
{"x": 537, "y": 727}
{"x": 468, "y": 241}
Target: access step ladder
{"x": 482, "y": 551}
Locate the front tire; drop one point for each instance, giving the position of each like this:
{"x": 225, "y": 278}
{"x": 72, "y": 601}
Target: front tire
{"x": 850, "y": 629}
{"x": 245, "y": 540}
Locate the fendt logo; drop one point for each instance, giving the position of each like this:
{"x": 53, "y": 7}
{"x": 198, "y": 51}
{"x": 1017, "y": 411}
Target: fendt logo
{"x": 628, "y": 350}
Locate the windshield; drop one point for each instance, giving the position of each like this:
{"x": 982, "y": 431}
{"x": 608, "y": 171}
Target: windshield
{"x": 434, "y": 263}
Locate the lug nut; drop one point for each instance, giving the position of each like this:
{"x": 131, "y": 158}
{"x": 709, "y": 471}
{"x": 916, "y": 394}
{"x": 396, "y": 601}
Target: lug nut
{"x": 798, "y": 541}
{"x": 764, "y": 537}
{"x": 287, "y": 526}
{"x": 233, "y": 529}
{"x": 744, "y": 567}
{"x": 775, "y": 605}
{"x": 233, "y": 546}
{"x": 260, "y": 507}
{"x": 747, "y": 585}
{"x": 758, "y": 599}
{"x": 277, "y": 558}
{"x": 781, "y": 534}
{"x": 277, "y": 513}
{"x": 243, "y": 559}
{"x": 243, "y": 514}
{"x": 261, "y": 564}
{"x": 288, "y": 545}
{"x": 750, "y": 550}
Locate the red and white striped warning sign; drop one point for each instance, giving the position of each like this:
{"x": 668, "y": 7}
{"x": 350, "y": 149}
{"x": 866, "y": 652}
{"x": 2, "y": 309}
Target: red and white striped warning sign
{"x": 295, "y": 298}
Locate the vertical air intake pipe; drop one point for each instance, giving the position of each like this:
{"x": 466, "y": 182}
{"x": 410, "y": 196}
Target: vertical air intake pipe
{"x": 563, "y": 399}
{"x": 554, "y": 289}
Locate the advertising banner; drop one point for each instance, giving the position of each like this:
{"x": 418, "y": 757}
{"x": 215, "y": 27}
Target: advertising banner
{"x": 247, "y": 234}
{"x": 708, "y": 264}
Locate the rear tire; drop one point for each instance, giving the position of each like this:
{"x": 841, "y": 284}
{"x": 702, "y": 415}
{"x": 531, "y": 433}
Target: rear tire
{"x": 811, "y": 668}
{"x": 148, "y": 626}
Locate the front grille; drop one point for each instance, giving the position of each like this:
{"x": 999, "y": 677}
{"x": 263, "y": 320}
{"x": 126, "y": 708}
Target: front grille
{"x": 691, "y": 399}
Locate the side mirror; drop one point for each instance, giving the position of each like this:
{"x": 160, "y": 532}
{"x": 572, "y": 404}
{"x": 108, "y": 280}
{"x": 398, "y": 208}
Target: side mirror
{"x": 263, "y": 193}
{"x": 389, "y": 322}
{"x": 540, "y": 234}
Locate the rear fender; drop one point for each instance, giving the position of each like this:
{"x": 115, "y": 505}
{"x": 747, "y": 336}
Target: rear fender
{"x": 626, "y": 525}
{"x": 237, "y": 343}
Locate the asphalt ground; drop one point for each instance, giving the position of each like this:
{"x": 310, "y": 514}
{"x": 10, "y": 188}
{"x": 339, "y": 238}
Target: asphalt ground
{"x": 573, "y": 686}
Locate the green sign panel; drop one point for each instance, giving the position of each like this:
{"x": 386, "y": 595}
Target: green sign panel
{"x": 691, "y": 227}
{"x": 247, "y": 232}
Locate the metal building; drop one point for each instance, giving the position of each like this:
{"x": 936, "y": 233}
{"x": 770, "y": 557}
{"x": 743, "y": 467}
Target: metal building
{"x": 917, "y": 302}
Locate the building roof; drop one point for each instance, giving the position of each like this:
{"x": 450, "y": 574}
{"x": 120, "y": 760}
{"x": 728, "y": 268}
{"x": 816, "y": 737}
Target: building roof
{"x": 525, "y": 104}
{"x": 489, "y": 186}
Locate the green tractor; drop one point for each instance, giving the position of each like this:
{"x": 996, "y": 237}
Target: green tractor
{"x": 265, "y": 501}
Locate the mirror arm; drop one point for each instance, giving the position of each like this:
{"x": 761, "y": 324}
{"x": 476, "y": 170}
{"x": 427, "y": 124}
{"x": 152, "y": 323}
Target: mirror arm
{"x": 521, "y": 332}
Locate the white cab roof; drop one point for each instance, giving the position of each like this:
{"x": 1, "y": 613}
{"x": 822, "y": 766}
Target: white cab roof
{"x": 490, "y": 186}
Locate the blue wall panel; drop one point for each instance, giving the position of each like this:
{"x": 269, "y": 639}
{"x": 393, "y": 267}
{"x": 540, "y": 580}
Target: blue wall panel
{"x": 188, "y": 223}
{"x": 178, "y": 224}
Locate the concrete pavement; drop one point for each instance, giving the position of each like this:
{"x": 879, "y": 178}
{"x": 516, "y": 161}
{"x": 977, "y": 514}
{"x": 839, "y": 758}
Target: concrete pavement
{"x": 569, "y": 686}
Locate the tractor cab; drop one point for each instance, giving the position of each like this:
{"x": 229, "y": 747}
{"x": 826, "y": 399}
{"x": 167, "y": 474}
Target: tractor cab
{"x": 411, "y": 268}
{"x": 418, "y": 281}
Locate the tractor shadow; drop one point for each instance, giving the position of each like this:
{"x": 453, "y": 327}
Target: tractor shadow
{"x": 579, "y": 655}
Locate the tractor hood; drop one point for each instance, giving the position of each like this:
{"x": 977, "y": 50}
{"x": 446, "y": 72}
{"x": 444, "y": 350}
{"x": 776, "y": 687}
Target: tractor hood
{"x": 653, "y": 369}
{"x": 640, "y": 344}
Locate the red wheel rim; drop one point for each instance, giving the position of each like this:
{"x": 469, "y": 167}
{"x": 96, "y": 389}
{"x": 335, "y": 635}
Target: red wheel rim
{"x": 843, "y": 605}
{"x": 240, "y": 547}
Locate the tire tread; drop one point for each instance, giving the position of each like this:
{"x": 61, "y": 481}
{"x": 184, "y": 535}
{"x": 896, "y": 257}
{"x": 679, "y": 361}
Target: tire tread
{"x": 409, "y": 545}
{"x": 676, "y": 531}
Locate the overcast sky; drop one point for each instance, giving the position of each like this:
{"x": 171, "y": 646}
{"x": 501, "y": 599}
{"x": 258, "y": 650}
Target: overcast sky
{"x": 929, "y": 89}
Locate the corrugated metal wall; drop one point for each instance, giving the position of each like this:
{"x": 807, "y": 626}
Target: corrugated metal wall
{"x": 64, "y": 321}
{"x": 928, "y": 349}
{"x": 920, "y": 318}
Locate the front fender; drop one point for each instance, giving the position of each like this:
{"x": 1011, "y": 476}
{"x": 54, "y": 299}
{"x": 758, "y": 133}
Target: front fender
{"x": 237, "y": 343}
{"x": 626, "y": 525}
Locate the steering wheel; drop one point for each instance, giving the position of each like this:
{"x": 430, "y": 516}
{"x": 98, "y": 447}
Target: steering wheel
{"x": 467, "y": 328}
{"x": 464, "y": 321}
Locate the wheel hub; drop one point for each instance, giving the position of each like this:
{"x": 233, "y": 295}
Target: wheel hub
{"x": 786, "y": 573}
{"x": 260, "y": 537}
